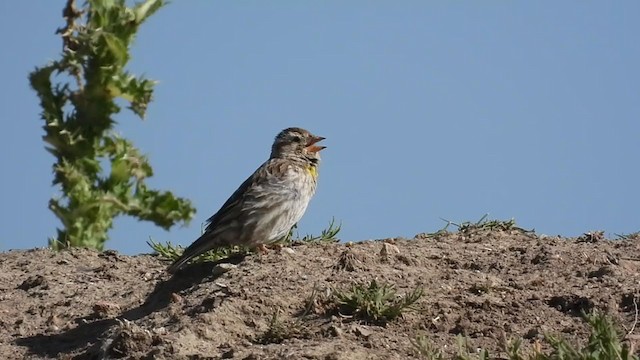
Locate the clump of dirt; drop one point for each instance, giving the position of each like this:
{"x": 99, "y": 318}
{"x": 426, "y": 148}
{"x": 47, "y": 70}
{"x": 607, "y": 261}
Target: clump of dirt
{"x": 487, "y": 285}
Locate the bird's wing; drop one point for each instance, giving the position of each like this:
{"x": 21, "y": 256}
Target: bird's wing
{"x": 234, "y": 202}
{"x": 229, "y": 211}
{"x": 269, "y": 175}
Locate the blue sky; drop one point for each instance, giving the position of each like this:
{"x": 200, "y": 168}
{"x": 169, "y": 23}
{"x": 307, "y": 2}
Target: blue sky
{"x": 431, "y": 110}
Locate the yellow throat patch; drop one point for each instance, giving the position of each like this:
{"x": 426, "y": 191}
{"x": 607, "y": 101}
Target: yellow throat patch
{"x": 313, "y": 170}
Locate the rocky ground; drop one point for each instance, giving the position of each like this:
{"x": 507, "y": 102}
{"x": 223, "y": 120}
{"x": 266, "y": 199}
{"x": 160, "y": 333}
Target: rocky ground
{"x": 487, "y": 284}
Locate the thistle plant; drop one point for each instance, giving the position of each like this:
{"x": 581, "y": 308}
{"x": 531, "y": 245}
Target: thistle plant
{"x": 80, "y": 94}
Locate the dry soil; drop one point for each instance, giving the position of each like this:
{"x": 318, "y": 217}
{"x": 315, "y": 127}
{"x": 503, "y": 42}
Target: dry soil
{"x": 487, "y": 285}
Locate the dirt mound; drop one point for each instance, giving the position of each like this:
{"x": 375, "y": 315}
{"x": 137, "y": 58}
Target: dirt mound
{"x": 485, "y": 285}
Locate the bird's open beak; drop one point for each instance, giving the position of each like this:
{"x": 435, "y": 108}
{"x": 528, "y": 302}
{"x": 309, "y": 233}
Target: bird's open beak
{"x": 311, "y": 144}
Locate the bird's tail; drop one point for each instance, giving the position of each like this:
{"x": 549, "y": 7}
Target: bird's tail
{"x": 203, "y": 244}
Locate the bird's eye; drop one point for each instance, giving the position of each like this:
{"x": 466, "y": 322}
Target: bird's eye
{"x": 297, "y": 138}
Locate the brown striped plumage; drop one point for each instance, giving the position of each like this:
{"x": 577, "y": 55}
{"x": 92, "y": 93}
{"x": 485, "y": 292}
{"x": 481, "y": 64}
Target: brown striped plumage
{"x": 266, "y": 205}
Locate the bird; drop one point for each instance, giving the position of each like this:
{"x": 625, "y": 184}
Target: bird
{"x": 268, "y": 203}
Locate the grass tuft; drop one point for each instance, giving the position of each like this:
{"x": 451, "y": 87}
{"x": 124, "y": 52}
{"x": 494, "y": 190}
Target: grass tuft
{"x": 375, "y": 303}
{"x": 467, "y": 227}
{"x": 280, "y": 330}
{"x": 172, "y": 252}
{"x": 425, "y": 348}
{"x": 466, "y": 351}
{"x": 630, "y": 236}
{"x": 605, "y": 343}
{"x": 327, "y": 235}
{"x": 591, "y": 236}
{"x": 485, "y": 224}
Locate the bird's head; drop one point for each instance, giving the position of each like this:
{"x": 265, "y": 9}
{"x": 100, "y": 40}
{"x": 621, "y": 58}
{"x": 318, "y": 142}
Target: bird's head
{"x": 297, "y": 142}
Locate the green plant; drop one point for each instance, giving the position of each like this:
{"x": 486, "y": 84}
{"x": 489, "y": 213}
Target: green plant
{"x": 630, "y": 236}
{"x": 484, "y": 224}
{"x": 172, "y": 252}
{"x": 376, "y": 303}
{"x": 604, "y": 343}
{"x": 311, "y": 301}
{"x": 513, "y": 349}
{"x": 465, "y": 354}
{"x": 327, "y": 235}
{"x": 467, "y": 227}
{"x": 425, "y": 348}
{"x": 79, "y": 95}
{"x": 434, "y": 235}
{"x": 280, "y": 330}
